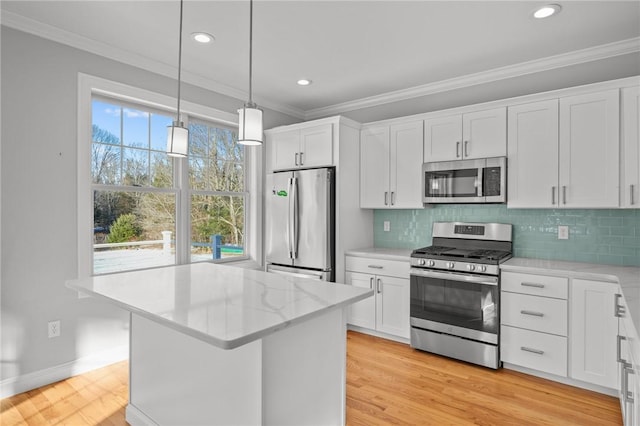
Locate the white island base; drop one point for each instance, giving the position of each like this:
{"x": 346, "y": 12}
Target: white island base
{"x": 295, "y": 376}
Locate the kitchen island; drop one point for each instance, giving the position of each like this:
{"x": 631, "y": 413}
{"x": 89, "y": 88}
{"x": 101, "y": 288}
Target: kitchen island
{"x": 220, "y": 345}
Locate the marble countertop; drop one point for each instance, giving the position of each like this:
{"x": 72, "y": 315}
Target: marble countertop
{"x": 381, "y": 253}
{"x": 222, "y": 305}
{"x": 628, "y": 277}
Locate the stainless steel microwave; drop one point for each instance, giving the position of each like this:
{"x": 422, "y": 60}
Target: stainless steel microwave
{"x": 465, "y": 181}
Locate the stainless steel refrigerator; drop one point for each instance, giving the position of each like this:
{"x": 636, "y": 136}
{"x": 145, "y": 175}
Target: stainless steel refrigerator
{"x": 299, "y": 225}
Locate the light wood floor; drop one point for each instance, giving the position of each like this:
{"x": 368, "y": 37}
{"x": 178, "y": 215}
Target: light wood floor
{"x": 387, "y": 383}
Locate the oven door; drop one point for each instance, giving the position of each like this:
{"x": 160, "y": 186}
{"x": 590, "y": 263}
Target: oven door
{"x": 463, "y": 305}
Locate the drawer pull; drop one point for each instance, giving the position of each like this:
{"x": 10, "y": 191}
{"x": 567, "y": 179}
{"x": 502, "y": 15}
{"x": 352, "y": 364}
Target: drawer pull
{"x": 618, "y": 309}
{"x": 619, "y": 351}
{"x": 375, "y": 266}
{"x": 628, "y": 395}
{"x": 532, "y": 313}
{"x": 533, "y": 351}
{"x": 536, "y": 285}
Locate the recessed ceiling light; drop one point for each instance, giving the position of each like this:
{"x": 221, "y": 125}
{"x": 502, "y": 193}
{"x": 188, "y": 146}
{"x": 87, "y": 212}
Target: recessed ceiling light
{"x": 304, "y": 82}
{"x": 547, "y": 11}
{"x": 202, "y": 37}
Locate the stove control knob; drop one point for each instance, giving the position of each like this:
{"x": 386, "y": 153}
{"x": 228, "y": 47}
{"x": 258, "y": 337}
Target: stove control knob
{"x": 432, "y": 263}
{"x": 450, "y": 265}
{"x": 471, "y": 267}
{"x": 482, "y": 268}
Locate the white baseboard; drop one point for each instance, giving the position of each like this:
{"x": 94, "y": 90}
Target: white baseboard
{"x": 378, "y": 334}
{"x": 135, "y": 417}
{"x": 26, "y": 382}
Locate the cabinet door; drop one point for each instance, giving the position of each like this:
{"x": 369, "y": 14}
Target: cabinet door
{"x": 533, "y": 155}
{"x": 316, "y": 146}
{"x": 592, "y": 336}
{"x": 405, "y": 157}
{"x": 363, "y": 313}
{"x": 284, "y": 150}
{"x": 392, "y": 310}
{"x": 484, "y": 133}
{"x": 630, "y": 186}
{"x": 374, "y": 167}
{"x": 443, "y": 139}
{"x": 589, "y": 150}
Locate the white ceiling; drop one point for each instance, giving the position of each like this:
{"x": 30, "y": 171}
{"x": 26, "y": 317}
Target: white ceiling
{"x": 354, "y": 51}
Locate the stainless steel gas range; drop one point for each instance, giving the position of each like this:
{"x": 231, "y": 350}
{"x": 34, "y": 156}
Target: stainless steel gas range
{"x": 455, "y": 291}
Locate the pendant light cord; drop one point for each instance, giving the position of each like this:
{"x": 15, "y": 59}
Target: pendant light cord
{"x": 250, "y": 50}
{"x": 179, "y": 61}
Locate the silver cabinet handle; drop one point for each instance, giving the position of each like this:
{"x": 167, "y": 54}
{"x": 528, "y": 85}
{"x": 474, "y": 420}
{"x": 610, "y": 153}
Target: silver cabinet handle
{"x": 534, "y": 351}
{"x": 375, "y": 266}
{"x": 628, "y": 395}
{"x": 532, "y": 313}
{"x": 618, "y": 309}
{"x": 619, "y": 340}
{"x": 458, "y": 149}
{"x": 371, "y": 283}
{"x": 393, "y": 198}
{"x": 631, "y": 190}
{"x": 379, "y": 285}
{"x": 553, "y": 195}
{"x": 386, "y": 198}
{"x": 564, "y": 194}
{"x": 536, "y": 285}
{"x": 297, "y": 159}
{"x": 301, "y": 159}
{"x": 466, "y": 148}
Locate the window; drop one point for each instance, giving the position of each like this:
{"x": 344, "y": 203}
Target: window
{"x": 143, "y": 199}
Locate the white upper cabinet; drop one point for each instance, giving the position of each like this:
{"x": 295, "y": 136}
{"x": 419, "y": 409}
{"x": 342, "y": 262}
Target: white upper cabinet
{"x": 630, "y": 185}
{"x": 390, "y": 166}
{"x": 533, "y": 154}
{"x": 301, "y": 148}
{"x": 473, "y": 135}
{"x": 564, "y": 153}
{"x": 589, "y": 150}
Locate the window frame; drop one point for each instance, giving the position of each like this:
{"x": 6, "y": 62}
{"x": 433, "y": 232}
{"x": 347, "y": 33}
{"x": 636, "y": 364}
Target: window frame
{"x": 91, "y": 86}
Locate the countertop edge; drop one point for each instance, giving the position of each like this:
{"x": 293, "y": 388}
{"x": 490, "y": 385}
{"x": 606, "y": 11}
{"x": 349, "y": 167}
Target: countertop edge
{"x": 402, "y": 255}
{"x": 207, "y": 338}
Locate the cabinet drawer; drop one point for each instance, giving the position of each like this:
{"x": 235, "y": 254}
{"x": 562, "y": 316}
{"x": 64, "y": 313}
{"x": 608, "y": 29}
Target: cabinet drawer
{"x": 531, "y": 349}
{"x": 534, "y": 313}
{"x": 378, "y": 266}
{"x": 537, "y": 285}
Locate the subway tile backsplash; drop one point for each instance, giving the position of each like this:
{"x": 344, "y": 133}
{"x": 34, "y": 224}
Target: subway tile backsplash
{"x": 607, "y": 236}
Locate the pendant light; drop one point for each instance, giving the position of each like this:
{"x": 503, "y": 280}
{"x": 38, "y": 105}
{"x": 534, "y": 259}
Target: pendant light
{"x": 250, "y": 116}
{"x": 177, "y": 134}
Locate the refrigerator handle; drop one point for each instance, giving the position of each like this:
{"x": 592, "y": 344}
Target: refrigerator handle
{"x": 296, "y": 215}
{"x": 290, "y": 219}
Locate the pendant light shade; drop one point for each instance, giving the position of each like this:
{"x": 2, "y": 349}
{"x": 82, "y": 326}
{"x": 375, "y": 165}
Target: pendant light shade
{"x": 250, "y": 116}
{"x": 177, "y": 134}
{"x": 250, "y": 125}
{"x": 177, "y": 140}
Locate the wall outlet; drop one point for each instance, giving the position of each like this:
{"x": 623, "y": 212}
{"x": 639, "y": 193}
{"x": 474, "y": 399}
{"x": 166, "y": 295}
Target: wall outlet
{"x": 387, "y": 226}
{"x": 54, "y": 328}
{"x": 563, "y": 232}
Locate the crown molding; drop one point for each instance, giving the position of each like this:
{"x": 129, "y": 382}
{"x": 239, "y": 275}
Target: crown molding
{"x": 21, "y": 23}
{"x": 530, "y": 67}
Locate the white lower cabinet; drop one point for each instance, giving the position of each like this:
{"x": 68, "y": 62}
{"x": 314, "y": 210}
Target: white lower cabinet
{"x": 533, "y": 331}
{"x": 628, "y": 357}
{"x": 593, "y": 333}
{"x": 388, "y": 310}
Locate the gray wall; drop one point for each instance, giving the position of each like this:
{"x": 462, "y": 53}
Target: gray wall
{"x": 39, "y": 208}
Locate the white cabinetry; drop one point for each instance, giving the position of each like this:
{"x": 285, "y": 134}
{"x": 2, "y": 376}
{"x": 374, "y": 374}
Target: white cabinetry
{"x": 628, "y": 356}
{"x": 477, "y": 134}
{"x": 593, "y": 333}
{"x": 305, "y": 147}
{"x": 533, "y": 331}
{"x": 630, "y": 185}
{"x": 388, "y": 310}
{"x": 564, "y": 152}
{"x": 391, "y": 160}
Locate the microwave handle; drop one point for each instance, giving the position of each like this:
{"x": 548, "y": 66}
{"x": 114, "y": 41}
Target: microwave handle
{"x": 480, "y": 181}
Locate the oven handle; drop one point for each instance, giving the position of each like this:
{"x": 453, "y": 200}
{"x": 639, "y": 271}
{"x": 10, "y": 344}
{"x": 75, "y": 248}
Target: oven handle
{"x": 468, "y": 278}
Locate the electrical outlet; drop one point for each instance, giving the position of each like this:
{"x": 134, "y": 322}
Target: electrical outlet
{"x": 563, "y": 232}
{"x": 387, "y": 226}
{"x": 54, "y": 328}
